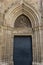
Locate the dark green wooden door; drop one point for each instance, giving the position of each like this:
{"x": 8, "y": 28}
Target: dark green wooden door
{"x": 22, "y": 51}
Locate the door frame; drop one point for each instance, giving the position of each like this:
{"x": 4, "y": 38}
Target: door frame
{"x": 25, "y": 34}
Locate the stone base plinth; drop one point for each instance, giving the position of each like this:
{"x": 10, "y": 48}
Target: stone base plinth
{"x": 34, "y": 63}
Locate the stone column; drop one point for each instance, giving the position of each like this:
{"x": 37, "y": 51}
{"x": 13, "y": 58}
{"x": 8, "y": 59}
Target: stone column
{"x": 33, "y": 45}
{"x": 40, "y": 5}
{"x": 11, "y": 49}
{"x": 1, "y": 18}
{"x": 41, "y": 43}
{"x": 36, "y": 47}
{"x": 1, "y": 41}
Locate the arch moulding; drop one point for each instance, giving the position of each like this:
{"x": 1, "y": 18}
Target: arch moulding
{"x": 26, "y": 9}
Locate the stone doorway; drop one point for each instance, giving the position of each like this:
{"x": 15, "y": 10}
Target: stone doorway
{"x": 22, "y": 50}
{"x": 21, "y": 19}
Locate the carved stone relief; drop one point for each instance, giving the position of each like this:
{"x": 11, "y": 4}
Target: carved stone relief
{"x": 22, "y": 21}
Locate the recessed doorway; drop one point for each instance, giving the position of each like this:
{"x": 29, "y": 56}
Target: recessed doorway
{"x": 22, "y": 50}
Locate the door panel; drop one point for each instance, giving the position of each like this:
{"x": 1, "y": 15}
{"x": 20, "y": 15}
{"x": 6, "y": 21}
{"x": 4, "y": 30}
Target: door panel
{"x": 22, "y": 51}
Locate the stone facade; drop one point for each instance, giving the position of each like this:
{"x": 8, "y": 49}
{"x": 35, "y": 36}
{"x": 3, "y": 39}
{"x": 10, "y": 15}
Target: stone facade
{"x": 10, "y": 10}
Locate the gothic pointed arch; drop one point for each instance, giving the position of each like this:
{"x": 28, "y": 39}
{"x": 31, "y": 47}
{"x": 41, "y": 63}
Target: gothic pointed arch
{"x": 15, "y": 11}
{"x": 22, "y": 21}
{"x": 14, "y": 19}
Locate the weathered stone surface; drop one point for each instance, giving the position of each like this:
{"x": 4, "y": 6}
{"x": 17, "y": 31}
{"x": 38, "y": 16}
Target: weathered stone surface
{"x": 10, "y": 10}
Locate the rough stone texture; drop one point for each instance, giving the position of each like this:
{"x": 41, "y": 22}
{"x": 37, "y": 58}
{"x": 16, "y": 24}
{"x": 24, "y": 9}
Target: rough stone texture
{"x": 5, "y": 4}
{"x": 22, "y": 21}
{"x": 9, "y": 11}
